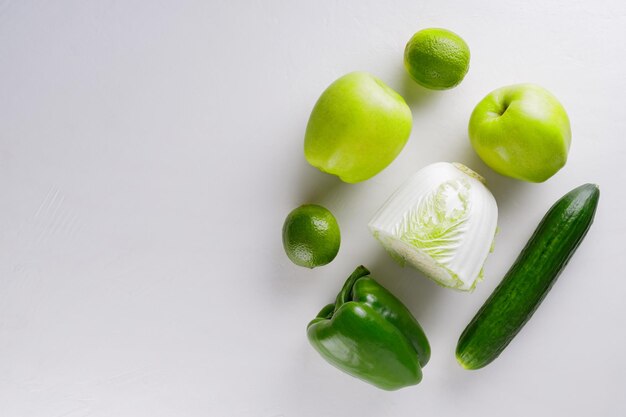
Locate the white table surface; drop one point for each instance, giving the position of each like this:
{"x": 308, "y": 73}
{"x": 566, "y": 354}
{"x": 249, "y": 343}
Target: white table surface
{"x": 150, "y": 151}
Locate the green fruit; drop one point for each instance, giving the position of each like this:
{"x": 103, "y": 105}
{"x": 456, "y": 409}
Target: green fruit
{"x": 311, "y": 236}
{"x": 521, "y": 131}
{"x": 437, "y": 58}
{"x": 357, "y": 127}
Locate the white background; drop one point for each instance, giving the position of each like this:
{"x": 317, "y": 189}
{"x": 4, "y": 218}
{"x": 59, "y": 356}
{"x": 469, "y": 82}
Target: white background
{"x": 150, "y": 151}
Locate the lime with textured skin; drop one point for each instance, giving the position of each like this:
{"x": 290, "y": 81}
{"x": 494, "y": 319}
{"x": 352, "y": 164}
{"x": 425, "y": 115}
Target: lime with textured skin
{"x": 311, "y": 236}
{"x": 437, "y": 58}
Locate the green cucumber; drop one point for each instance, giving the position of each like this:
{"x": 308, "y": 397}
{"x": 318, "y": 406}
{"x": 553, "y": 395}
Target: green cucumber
{"x": 530, "y": 278}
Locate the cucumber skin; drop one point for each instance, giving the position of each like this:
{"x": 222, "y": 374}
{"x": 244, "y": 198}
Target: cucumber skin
{"x": 530, "y": 278}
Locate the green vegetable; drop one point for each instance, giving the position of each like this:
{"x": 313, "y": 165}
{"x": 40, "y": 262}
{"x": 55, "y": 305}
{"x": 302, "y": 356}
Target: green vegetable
{"x": 441, "y": 221}
{"x": 530, "y": 278}
{"x": 371, "y": 335}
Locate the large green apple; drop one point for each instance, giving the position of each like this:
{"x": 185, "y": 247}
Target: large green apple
{"x": 357, "y": 127}
{"x": 521, "y": 131}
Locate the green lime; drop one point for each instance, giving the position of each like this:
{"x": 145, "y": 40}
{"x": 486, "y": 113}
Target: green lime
{"x": 311, "y": 236}
{"x": 436, "y": 58}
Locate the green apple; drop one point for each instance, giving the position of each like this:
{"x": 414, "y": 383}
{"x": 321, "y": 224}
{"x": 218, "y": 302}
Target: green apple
{"x": 357, "y": 127}
{"x": 521, "y": 131}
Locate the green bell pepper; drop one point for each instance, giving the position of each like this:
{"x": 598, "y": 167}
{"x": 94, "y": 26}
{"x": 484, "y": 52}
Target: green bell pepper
{"x": 369, "y": 334}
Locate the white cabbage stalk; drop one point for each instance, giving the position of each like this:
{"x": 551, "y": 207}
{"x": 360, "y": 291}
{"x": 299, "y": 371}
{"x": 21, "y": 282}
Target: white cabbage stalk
{"x": 442, "y": 221}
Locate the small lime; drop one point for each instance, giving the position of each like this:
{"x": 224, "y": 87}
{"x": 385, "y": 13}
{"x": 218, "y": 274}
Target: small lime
{"x": 437, "y": 58}
{"x": 311, "y": 236}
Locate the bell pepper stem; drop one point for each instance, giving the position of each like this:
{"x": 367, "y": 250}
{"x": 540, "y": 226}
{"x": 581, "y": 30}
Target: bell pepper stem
{"x": 345, "y": 294}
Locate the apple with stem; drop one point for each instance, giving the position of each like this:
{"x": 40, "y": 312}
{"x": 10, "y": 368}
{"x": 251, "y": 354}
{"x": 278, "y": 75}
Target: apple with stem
{"x": 521, "y": 131}
{"x": 357, "y": 128}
